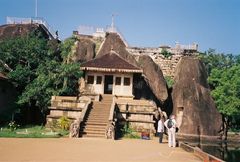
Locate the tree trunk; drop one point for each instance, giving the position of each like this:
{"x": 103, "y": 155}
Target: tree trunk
{"x": 226, "y": 127}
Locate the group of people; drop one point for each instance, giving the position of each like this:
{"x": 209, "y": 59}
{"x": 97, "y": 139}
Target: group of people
{"x": 171, "y": 126}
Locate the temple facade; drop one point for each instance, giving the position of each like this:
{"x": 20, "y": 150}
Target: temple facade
{"x": 109, "y": 74}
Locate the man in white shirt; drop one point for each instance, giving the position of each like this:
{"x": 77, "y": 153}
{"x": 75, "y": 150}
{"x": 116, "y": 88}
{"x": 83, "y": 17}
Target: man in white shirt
{"x": 160, "y": 129}
{"x": 171, "y": 126}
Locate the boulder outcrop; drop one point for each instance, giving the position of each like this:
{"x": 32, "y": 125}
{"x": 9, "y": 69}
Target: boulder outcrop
{"x": 14, "y": 30}
{"x": 154, "y": 77}
{"x": 85, "y": 50}
{"x": 193, "y": 105}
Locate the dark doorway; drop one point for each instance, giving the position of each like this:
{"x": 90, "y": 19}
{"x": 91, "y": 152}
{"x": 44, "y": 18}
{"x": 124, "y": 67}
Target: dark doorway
{"x": 108, "y": 84}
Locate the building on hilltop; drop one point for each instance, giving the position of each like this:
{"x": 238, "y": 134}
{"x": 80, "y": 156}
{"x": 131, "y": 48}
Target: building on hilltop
{"x": 21, "y": 26}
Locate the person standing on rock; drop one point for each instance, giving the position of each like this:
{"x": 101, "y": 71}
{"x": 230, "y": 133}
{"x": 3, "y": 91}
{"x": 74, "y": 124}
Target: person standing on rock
{"x": 160, "y": 129}
{"x": 171, "y": 126}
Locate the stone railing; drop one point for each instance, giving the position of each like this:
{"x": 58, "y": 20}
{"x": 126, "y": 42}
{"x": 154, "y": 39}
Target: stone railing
{"x": 200, "y": 153}
{"x": 110, "y": 130}
{"x": 71, "y": 107}
{"x": 66, "y": 102}
{"x": 76, "y": 125}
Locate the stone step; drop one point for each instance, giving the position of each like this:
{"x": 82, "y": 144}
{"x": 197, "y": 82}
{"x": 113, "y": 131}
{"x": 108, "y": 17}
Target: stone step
{"x": 93, "y": 136}
{"x": 101, "y": 109}
{"x": 102, "y": 128}
{"x": 94, "y": 132}
{"x": 94, "y": 126}
{"x": 102, "y": 106}
{"x": 97, "y": 117}
{"x": 96, "y": 123}
{"x": 89, "y": 130}
{"x": 97, "y": 120}
{"x": 100, "y": 112}
{"x": 96, "y": 114}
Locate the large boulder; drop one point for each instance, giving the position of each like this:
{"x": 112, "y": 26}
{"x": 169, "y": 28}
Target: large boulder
{"x": 13, "y": 30}
{"x": 154, "y": 77}
{"x": 152, "y": 73}
{"x": 85, "y": 50}
{"x": 193, "y": 105}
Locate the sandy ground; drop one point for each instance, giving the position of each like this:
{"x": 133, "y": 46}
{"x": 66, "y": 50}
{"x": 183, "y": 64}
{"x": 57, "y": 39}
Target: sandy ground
{"x": 90, "y": 150}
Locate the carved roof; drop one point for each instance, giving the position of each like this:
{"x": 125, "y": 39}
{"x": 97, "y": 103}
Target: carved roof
{"x": 110, "y": 62}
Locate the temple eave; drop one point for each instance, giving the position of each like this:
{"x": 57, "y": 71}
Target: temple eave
{"x": 111, "y": 70}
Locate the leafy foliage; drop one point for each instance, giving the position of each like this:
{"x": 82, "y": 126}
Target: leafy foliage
{"x": 64, "y": 123}
{"x": 169, "y": 81}
{"x": 227, "y": 89}
{"x": 214, "y": 60}
{"x": 166, "y": 54}
{"x": 39, "y": 69}
{"x": 13, "y": 125}
{"x": 224, "y": 74}
{"x": 129, "y": 132}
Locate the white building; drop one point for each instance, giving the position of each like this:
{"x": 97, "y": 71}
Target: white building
{"x": 110, "y": 74}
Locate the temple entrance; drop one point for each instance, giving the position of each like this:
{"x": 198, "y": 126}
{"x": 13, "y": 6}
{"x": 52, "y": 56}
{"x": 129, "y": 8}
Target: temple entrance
{"x": 108, "y": 84}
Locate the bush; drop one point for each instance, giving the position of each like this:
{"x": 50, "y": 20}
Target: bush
{"x": 13, "y": 125}
{"x": 166, "y": 54}
{"x": 64, "y": 123}
{"x": 129, "y": 132}
{"x": 170, "y": 81}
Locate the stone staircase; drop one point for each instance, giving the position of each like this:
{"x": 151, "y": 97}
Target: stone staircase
{"x": 97, "y": 118}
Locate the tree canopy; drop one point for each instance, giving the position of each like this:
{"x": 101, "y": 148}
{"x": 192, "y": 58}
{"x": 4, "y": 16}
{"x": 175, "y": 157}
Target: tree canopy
{"x": 38, "y": 69}
{"x": 224, "y": 80}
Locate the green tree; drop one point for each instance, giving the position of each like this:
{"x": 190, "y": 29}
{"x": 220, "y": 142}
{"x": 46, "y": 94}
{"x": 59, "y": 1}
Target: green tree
{"x": 227, "y": 92}
{"x": 38, "y": 69}
{"x": 212, "y": 60}
{"x": 223, "y": 72}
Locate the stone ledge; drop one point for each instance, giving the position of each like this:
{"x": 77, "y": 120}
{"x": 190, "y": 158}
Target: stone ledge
{"x": 199, "y": 153}
{"x": 196, "y": 138}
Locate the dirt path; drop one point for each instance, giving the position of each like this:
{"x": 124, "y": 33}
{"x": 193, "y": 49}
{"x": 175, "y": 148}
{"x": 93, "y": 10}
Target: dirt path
{"x": 89, "y": 150}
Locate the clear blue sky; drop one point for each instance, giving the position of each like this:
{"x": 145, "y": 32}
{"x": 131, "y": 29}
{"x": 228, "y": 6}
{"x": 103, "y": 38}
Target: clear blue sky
{"x": 147, "y": 23}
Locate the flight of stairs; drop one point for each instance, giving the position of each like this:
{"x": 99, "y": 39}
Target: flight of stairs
{"x": 97, "y": 118}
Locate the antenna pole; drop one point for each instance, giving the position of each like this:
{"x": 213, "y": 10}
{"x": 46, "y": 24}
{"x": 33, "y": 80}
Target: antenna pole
{"x": 36, "y": 8}
{"x": 112, "y": 25}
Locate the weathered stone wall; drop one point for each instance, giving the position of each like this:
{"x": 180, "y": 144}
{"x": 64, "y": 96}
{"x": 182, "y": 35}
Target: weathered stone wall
{"x": 71, "y": 107}
{"x": 138, "y": 113}
{"x": 167, "y": 65}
